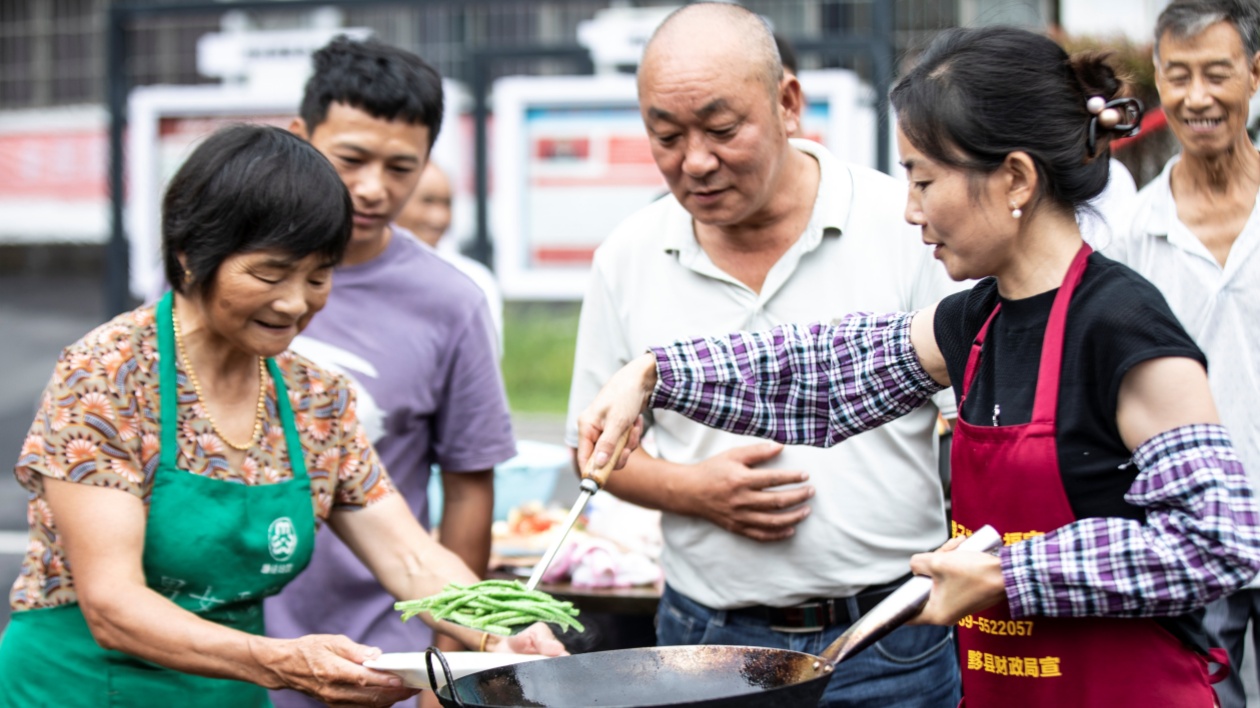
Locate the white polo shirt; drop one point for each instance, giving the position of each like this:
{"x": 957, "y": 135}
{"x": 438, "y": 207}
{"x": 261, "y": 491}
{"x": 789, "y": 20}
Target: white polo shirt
{"x": 1218, "y": 306}
{"x": 879, "y": 497}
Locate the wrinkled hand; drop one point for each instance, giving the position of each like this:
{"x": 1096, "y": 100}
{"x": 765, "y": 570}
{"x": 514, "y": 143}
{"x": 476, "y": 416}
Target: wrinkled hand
{"x": 536, "y": 639}
{"x": 963, "y": 582}
{"x": 727, "y": 491}
{"x": 330, "y": 668}
{"x": 615, "y": 410}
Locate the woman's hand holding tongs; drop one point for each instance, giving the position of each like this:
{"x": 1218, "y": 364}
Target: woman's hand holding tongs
{"x": 616, "y": 409}
{"x": 963, "y": 582}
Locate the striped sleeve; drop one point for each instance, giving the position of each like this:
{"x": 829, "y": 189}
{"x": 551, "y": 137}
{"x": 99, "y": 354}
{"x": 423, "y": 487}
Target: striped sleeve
{"x": 812, "y": 385}
{"x": 1200, "y": 540}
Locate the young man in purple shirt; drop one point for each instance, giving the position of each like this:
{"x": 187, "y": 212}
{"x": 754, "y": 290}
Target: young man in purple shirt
{"x": 414, "y": 335}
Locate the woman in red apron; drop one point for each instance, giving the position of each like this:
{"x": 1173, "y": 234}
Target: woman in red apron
{"x": 1087, "y": 432}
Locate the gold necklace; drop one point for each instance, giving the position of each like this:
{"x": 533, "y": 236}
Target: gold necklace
{"x": 192, "y": 378}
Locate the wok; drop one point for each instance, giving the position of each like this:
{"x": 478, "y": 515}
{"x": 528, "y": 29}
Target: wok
{"x": 700, "y": 676}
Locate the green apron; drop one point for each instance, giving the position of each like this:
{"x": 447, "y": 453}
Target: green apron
{"x": 214, "y": 548}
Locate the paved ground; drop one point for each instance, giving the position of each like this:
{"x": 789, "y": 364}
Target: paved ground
{"x": 40, "y": 314}
{"x": 37, "y": 319}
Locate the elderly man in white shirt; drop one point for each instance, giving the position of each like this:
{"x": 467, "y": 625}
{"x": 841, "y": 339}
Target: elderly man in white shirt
{"x": 767, "y": 545}
{"x": 1196, "y": 235}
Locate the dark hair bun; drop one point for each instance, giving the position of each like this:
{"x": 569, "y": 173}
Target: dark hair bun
{"x": 1095, "y": 74}
{"x": 979, "y": 94}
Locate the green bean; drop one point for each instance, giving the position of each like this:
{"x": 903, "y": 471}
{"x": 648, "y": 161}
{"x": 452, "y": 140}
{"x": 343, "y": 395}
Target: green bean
{"x": 494, "y": 606}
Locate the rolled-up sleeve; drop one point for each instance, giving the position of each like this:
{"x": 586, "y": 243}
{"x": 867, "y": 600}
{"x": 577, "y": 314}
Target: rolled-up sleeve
{"x": 1200, "y": 540}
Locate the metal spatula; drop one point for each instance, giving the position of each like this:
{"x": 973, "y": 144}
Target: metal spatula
{"x": 592, "y": 480}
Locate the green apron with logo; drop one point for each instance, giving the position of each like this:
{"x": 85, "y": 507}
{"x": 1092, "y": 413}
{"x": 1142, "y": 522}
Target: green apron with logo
{"x": 215, "y": 548}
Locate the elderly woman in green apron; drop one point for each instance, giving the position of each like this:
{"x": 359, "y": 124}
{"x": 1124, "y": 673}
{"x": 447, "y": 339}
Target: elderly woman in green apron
{"x": 182, "y": 457}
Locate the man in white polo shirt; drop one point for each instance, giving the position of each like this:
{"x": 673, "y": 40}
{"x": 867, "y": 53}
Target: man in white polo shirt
{"x": 766, "y": 545}
{"x": 1196, "y": 235}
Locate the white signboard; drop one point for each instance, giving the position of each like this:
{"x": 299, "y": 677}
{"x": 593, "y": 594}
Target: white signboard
{"x": 616, "y": 36}
{"x": 571, "y": 160}
{"x": 266, "y": 60}
{"x": 167, "y": 122}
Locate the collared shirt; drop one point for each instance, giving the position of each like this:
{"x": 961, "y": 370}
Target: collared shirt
{"x": 1218, "y": 306}
{"x": 1108, "y": 215}
{"x": 819, "y": 385}
{"x": 879, "y": 496}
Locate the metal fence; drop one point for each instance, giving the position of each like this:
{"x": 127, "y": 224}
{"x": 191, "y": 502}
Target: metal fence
{"x": 53, "y": 52}
{"x": 60, "y": 52}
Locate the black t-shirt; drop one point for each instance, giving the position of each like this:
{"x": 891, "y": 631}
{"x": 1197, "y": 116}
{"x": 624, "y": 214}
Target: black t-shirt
{"x": 1116, "y": 320}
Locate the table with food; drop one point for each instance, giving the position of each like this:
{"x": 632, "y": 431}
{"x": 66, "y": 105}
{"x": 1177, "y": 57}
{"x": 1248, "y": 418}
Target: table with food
{"x": 613, "y": 549}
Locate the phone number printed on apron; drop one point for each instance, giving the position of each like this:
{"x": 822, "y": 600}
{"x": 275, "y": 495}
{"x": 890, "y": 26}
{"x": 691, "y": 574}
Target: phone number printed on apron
{"x": 1000, "y": 628}
{"x": 957, "y": 529}
{"x": 1027, "y": 666}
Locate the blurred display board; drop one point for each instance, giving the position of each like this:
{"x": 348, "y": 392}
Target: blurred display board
{"x": 167, "y": 122}
{"x": 571, "y": 159}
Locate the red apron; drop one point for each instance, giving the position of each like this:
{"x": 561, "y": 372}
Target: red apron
{"x": 1009, "y": 477}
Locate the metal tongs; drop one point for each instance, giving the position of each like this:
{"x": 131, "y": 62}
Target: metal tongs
{"x": 898, "y": 608}
{"x": 592, "y": 480}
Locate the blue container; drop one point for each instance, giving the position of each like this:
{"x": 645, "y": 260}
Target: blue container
{"x": 530, "y": 476}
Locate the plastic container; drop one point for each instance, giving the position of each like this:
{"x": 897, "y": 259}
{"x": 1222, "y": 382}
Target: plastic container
{"x": 530, "y": 476}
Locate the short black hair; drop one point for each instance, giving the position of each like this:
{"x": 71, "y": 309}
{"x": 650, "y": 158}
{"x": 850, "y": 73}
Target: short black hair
{"x": 383, "y": 81}
{"x": 248, "y": 188}
{"x": 787, "y": 53}
{"x": 979, "y": 94}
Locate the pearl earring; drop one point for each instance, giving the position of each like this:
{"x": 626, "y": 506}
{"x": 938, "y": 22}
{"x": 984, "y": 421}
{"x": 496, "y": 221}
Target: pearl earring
{"x": 1016, "y": 212}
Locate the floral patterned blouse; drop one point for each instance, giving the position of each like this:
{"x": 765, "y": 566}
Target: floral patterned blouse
{"x": 98, "y": 424}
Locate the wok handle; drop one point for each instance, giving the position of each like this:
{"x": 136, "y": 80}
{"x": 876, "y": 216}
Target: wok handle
{"x": 446, "y": 672}
{"x": 600, "y": 476}
{"x": 901, "y": 606}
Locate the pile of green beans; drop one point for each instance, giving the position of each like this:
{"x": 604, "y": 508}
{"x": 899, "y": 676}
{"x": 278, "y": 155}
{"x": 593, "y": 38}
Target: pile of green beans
{"x": 495, "y": 606}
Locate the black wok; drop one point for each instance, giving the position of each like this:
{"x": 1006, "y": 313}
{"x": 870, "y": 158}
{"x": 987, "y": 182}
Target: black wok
{"x": 655, "y": 676}
{"x": 700, "y": 676}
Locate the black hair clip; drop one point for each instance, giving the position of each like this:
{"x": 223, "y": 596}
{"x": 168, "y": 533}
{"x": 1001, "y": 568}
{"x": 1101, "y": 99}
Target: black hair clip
{"x": 1120, "y": 115}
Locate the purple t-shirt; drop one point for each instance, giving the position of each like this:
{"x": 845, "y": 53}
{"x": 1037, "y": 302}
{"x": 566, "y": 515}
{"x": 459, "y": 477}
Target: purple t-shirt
{"x": 415, "y": 336}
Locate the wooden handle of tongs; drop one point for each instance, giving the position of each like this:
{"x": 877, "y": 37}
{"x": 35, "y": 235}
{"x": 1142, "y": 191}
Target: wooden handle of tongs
{"x": 600, "y": 476}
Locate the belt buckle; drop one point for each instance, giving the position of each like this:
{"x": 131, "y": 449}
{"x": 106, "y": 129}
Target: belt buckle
{"x": 811, "y": 617}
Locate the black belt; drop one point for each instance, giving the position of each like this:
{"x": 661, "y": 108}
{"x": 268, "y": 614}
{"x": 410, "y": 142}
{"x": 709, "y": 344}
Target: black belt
{"x": 820, "y": 613}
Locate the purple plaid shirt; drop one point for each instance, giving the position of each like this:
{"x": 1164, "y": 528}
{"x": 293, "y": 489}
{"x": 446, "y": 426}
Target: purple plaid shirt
{"x": 820, "y": 384}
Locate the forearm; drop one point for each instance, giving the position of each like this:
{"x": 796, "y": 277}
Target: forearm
{"x": 1200, "y": 540}
{"x": 467, "y": 514}
{"x": 406, "y": 560}
{"x": 651, "y": 483}
{"x": 426, "y": 573}
{"x": 815, "y": 385}
{"x": 151, "y": 627}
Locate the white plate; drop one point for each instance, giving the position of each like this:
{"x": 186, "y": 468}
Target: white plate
{"x": 410, "y": 665}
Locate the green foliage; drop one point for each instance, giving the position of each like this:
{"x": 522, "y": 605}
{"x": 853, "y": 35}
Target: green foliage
{"x": 539, "y": 339}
